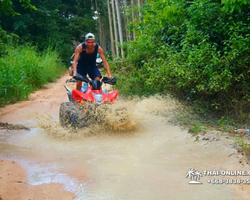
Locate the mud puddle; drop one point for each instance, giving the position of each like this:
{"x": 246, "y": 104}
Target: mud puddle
{"x": 147, "y": 158}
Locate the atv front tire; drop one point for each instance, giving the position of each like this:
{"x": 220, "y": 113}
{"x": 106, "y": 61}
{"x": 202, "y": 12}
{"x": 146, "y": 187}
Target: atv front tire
{"x": 68, "y": 116}
{"x": 72, "y": 115}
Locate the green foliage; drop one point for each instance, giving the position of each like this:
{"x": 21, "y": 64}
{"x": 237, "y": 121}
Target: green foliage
{"x": 4, "y": 39}
{"x": 235, "y": 5}
{"x": 24, "y": 71}
{"x": 140, "y": 50}
{"x": 195, "y": 129}
{"x": 55, "y": 24}
{"x": 6, "y": 6}
{"x": 197, "y": 50}
{"x": 226, "y": 124}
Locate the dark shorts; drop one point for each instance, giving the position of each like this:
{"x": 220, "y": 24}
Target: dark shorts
{"x": 92, "y": 72}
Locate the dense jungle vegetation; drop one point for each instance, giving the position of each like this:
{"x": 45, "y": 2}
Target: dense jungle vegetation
{"x": 196, "y": 50}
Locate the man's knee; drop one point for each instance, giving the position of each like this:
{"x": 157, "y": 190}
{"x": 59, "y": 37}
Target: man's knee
{"x": 78, "y": 85}
{"x": 98, "y": 78}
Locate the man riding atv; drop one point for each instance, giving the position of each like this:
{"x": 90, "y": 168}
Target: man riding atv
{"x": 85, "y": 60}
{"x": 99, "y": 64}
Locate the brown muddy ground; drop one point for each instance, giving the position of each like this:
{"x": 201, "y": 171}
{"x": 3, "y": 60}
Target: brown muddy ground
{"x": 144, "y": 157}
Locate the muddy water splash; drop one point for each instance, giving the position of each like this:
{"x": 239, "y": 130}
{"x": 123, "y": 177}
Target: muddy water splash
{"x": 103, "y": 120}
{"x": 124, "y": 117}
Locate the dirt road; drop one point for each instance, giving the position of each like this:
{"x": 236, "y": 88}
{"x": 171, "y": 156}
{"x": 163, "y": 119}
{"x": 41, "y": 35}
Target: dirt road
{"x": 147, "y": 158}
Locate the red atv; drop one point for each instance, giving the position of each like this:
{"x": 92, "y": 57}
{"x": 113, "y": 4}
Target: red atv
{"x": 81, "y": 108}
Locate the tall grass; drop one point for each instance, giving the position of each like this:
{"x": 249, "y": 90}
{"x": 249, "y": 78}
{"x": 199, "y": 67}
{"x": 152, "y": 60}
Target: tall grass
{"x": 24, "y": 70}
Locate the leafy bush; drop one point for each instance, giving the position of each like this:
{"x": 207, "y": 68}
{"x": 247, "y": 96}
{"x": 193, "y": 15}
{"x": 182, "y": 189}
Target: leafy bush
{"x": 196, "y": 50}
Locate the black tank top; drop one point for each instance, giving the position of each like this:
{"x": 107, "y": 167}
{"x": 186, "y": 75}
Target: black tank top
{"x": 87, "y": 59}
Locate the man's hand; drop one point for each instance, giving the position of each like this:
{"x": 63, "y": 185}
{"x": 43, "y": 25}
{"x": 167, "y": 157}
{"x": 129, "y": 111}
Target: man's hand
{"x": 109, "y": 76}
{"x": 75, "y": 75}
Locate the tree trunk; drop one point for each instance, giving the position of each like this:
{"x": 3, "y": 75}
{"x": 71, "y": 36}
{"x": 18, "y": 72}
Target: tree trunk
{"x": 115, "y": 28}
{"x": 103, "y": 39}
{"x": 125, "y": 5}
{"x": 119, "y": 25}
{"x": 111, "y": 30}
{"x": 99, "y": 24}
{"x": 139, "y": 10}
{"x": 133, "y": 17}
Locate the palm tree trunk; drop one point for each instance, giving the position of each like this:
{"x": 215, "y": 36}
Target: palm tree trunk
{"x": 128, "y": 36}
{"x": 139, "y": 10}
{"x": 115, "y": 28}
{"x": 133, "y": 17}
{"x": 119, "y": 25}
{"x": 99, "y": 24}
{"x": 111, "y": 30}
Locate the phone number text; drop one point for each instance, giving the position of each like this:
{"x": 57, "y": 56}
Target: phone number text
{"x": 228, "y": 181}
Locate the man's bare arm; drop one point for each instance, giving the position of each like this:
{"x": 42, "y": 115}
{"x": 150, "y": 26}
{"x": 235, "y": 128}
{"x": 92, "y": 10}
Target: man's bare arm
{"x": 105, "y": 62}
{"x": 77, "y": 54}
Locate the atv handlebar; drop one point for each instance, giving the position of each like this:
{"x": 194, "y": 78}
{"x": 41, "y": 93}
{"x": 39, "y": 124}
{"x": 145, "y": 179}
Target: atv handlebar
{"x": 85, "y": 79}
{"x": 79, "y": 77}
{"x": 111, "y": 81}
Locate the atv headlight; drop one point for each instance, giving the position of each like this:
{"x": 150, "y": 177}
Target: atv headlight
{"x": 98, "y": 98}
